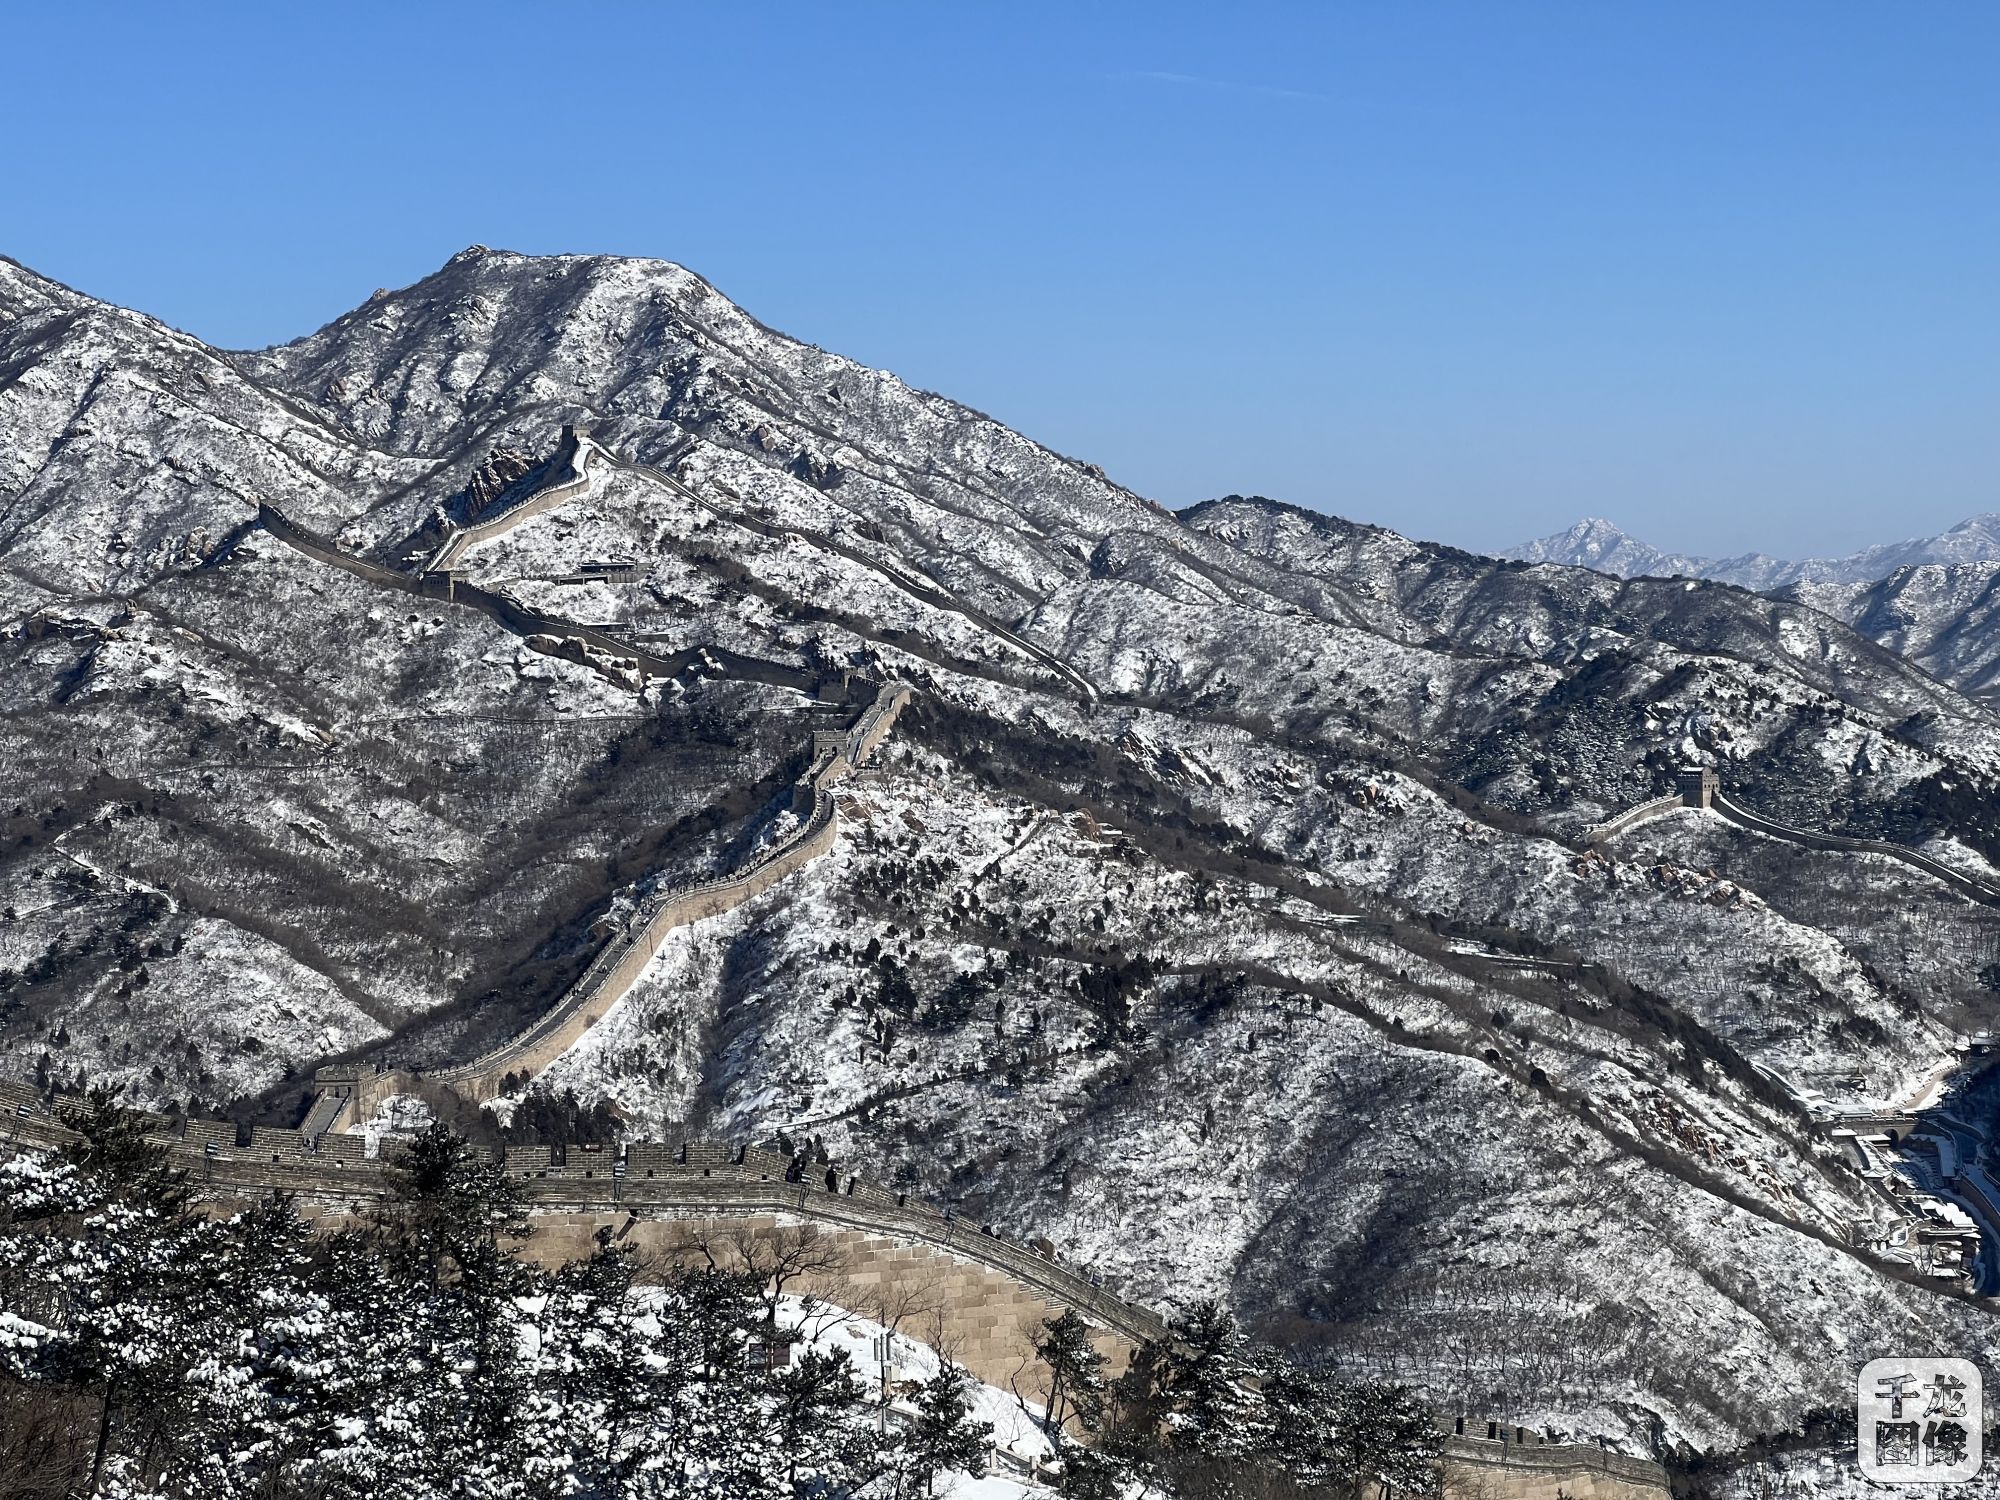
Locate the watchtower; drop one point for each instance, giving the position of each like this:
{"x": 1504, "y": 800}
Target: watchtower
{"x": 342, "y": 1080}
{"x": 1698, "y": 786}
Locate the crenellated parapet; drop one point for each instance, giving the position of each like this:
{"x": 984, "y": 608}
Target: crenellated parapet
{"x": 664, "y": 1198}
{"x": 1504, "y": 1461}
{"x": 660, "y": 1180}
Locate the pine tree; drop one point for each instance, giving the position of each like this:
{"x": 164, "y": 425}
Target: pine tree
{"x": 1215, "y": 1410}
{"x": 1078, "y": 1394}
{"x": 1087, "y": 1474}
{"x": 811, "y": 1398}
{"x": 710, "y": 1432}
{"x": 1077, "y": 1387}
{"x": 593, "y": 1377}
{"x": 235, "y": 1430}
{"x": 942, "y": 1438}
{"x": 1138, "y": 1406}
{"x": 1347, "y": 1438}
{"x": 456, "y": 1218}
{"x": 448, "y": 1197}
{"x": 103, "y": 1254}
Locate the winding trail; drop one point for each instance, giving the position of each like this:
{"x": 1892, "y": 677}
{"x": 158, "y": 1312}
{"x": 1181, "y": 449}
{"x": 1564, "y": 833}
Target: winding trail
{"x": 1966, "y": 885}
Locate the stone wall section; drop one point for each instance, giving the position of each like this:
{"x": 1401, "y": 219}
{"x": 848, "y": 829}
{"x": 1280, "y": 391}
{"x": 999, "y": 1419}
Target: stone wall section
{"x": 657, "y": 1197}
{"x": 1632, "y": 817}
{"x": 626, "y": 956}
{"x": 1958, "y": 880}
{"x": 636, "y": 662}
{"x": 1699, "y": 788}
{"x": 618, "y": 965}
{"x": 1521, "y": 1466}
{"x": 979, "y": 1292}
{"x": 566, "y": 477}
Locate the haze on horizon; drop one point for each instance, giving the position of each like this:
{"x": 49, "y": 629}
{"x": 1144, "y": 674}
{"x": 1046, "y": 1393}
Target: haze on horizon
{"x": 1719, "y": 275}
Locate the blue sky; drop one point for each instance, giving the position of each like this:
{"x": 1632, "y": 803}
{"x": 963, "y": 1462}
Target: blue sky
{"x": 1723, "y": 273}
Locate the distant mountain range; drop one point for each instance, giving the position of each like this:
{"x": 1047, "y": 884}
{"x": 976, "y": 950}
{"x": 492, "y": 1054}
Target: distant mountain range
{"x": 1594, "y": 543}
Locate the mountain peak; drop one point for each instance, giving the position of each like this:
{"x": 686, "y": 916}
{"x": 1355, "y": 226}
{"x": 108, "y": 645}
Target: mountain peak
{"x": 1596, "y": 543}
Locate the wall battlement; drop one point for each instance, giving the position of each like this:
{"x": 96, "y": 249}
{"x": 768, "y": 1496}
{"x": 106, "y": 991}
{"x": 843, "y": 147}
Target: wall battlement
{"x": 640, "y": 1179}
{"x": 1517, "y": 1463}
{"x": 659, "y": 1196}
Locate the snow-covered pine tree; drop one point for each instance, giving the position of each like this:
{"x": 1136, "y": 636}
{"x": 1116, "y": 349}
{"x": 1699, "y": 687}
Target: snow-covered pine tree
{"x": 108, "y": 1277}
{"x": 1213, "y": 1408}
{"x": 1346, "y": 1438}
{"x": 592, "y": 1392}
{"x": 812, "y": 1401}
{"x": 1090, "y": 1474}
{"x": 942, "y": 1437}
{"x": 1078, "y": 1394}
{"x": 1077, "y": 1384}
{"x": 452, "y": 1224}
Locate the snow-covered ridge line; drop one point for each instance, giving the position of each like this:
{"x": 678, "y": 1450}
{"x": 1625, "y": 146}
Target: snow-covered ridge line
{"x": 519, "y": 619}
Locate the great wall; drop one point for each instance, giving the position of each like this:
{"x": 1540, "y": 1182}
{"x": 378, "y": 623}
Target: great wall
{"x": 569, "y": 475}
{"x": 534, "y": 494}
{"x": 349, "y": 1094}
{"x": 988, "y": 1291}
{"x": 1958, "y": 1179}
{"x": 1701, "y": 788}
{"x": 977, "y": 1290}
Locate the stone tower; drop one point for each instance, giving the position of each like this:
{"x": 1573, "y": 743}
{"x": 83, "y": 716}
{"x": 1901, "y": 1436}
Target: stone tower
{"x": 1698, "y": 786}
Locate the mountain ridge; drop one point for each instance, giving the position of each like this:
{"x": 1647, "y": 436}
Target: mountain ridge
{"x": 1599, "y": 544}
{"x": 1283, "y": 941}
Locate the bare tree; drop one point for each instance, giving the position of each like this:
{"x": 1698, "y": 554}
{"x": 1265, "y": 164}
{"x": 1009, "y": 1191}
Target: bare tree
{"x": 916, "y": 1298}
{"x": 788, "y": 1255}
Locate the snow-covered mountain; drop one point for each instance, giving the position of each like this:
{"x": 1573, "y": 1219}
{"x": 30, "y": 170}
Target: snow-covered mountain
{"x": 1598, "y": 544}
{"x": 1940, "y": 617}
{"x": 1220, "y": 908}
{"x": 1930, "y": 599}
